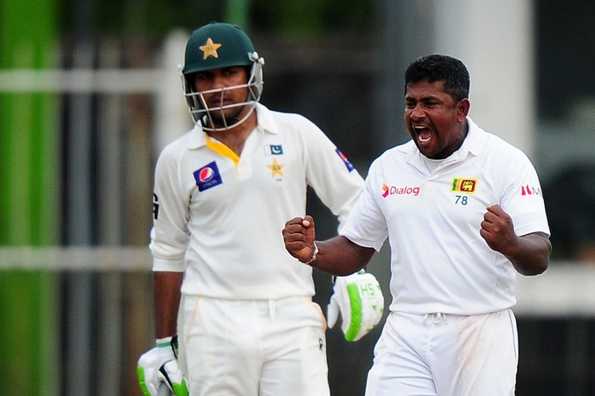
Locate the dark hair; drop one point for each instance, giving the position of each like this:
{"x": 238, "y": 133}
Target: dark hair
{"x": 433, "y": 68}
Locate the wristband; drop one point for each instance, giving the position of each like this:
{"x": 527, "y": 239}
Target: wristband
{"x": 314, "y": 254}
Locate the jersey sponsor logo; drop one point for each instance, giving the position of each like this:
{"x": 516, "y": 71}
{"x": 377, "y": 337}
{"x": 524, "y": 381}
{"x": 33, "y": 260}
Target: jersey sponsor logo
{"x": 397, "y": 190}
{"x": 276, "y": 149}
{"x": 208, "y": 176}
{"x": 530, "y": 190}
{"x": 464, "y": 185}
{"x": 345, "y": 160}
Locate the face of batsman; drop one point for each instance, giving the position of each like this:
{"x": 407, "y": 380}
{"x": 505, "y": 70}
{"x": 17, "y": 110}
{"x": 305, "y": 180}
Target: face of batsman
{"x": 223, "y": 95}
{"x": 222, "y": 76}
{"x": 434, "y": 118}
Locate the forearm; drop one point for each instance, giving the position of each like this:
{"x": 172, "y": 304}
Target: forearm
{"x": 166, "y": 301}
{"x": 531, "y": 254}
{"x": 340, "y": 256}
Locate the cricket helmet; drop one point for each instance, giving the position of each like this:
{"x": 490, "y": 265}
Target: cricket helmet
{"x": 215, "y": 46}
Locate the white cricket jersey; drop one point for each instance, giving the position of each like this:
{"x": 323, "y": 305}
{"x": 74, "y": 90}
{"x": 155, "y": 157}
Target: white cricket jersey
{"x": 219, "y": 217}
{"x": 439, "y": 261}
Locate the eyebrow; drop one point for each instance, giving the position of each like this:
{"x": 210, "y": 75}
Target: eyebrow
{"x": 430, "y": 97}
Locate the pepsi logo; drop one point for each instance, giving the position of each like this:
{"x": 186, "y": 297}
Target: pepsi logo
{"x": 208, "y": 176}
{"x": 205, "y": 174}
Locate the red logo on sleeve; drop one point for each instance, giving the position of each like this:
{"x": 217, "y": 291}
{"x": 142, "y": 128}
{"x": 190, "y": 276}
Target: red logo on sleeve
{"x": 530, "y": 190}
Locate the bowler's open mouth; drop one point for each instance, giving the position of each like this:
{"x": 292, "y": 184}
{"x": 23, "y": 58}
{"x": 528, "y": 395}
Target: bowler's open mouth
{"x": 423, "y": 134}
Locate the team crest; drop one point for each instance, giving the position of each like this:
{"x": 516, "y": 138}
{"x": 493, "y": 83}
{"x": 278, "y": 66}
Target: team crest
{"x": 208, "y": 176}
{"x": 209, "y": 48}
{"x": 276, "y": 169}
{"x": 464, "y": 185}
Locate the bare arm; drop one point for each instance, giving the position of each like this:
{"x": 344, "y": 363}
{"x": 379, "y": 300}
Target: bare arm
{"x": 166, "y": 300}
{"x": 529, "y": 253}
{"x": 338, "y": 256}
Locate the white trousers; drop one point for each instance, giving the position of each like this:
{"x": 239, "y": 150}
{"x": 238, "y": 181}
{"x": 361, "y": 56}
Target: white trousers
{"x": 445, "y": 355}
{"x": 253, "y": 347}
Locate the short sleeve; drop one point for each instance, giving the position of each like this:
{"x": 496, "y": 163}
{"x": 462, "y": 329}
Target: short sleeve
{"x": 523, "y": 199}
{"x": 330, "y": 173}
{"x": 169, "y": 235}
{"x": 366, "y": 225}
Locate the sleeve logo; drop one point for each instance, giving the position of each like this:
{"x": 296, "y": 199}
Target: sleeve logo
{"x": 345, "y": 160}
{"x": 530, "y": 190}
{"x": 155, "y": 206}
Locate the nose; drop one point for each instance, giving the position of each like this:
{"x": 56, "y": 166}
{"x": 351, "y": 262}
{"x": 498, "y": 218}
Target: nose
{"x": 218, "y": 82}
{"x": 416, "y": 113}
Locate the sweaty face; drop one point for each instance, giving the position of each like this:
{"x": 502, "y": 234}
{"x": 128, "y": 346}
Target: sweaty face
{"x": 435, "y": 120}
{"x": 225, "y": 92}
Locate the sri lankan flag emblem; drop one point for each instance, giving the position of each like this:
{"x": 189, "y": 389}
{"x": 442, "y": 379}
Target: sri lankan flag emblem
{"x": 463, "y": 185}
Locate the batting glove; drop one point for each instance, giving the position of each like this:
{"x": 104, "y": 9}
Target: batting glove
{"x": 159, "y": 365}
{"x": 359, "y": 301}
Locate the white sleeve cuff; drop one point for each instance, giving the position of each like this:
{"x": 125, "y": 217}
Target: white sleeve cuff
{"x": 376, "y": 245}
{"x": 168, "y": 265}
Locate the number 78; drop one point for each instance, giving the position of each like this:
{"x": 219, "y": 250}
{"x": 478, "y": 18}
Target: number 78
{"x": 462, "y": 200}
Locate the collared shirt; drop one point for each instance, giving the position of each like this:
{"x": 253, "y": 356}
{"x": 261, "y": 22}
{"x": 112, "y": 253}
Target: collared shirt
{"x": 218, "y": 216}
{"x": 432, "y": 216}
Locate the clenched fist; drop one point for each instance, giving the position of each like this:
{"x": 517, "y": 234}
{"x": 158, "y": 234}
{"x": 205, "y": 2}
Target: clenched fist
{"x": 498, "y": 231}
{"x": 298, "y": 235}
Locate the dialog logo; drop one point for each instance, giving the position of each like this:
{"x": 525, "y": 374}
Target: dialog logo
{"x": 400, "y": 190}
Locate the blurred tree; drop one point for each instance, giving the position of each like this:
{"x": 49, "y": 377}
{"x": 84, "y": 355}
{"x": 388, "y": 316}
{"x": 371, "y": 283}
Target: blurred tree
{"x": 152, "y": 19}
{"x": 28, "y": 202}
{"x": 311, "y": 18}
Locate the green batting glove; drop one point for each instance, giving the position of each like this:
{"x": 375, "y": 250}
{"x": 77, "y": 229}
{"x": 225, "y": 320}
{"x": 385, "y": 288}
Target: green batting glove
{"x": 357, "y": 298}
{"x": 159, "y": 366}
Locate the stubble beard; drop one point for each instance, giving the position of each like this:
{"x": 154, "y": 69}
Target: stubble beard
{"x": 221, "y": 119}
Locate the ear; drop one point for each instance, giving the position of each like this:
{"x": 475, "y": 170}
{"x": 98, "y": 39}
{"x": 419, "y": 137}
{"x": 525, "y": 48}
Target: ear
{"x": 463, "y": 109}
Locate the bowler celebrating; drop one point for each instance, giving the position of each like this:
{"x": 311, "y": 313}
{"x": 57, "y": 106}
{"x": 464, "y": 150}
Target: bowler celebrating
{"x": 463, "y": 213}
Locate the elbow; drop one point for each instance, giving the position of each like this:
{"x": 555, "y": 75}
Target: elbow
{"x": 537, "y": 262}
{"x": 535, "y": 268}
{"x": 540, "y": 269}
{"x": 544, "y": 266}
{"x": 544, "y": 262}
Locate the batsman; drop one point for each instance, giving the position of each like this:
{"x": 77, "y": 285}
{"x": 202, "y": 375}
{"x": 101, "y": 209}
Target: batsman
{"x": 225, "y": 289}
